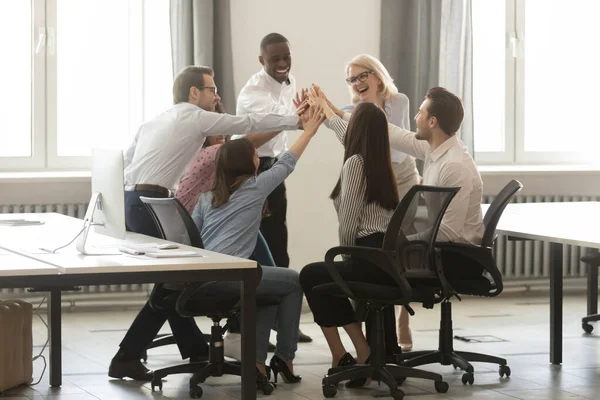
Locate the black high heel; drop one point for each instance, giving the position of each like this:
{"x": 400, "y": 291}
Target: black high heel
{"x": 346, "y": 359}
{"x": 263, "y": 384}
{"x": 278, "y": 366}
{"x": 358, "y": 382}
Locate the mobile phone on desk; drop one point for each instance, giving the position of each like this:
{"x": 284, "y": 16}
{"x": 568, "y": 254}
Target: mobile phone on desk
{"x": 173, "y": 254}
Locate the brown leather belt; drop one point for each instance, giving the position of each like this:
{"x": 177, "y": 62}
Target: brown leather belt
{"x": 149, "y": 188}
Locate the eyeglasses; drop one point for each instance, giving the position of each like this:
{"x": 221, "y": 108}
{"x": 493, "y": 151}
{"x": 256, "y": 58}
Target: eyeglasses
{"x": 360, "y": 77}
{"x": 212, "y": 88}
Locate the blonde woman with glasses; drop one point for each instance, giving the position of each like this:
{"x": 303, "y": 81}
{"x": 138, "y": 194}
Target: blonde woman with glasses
{"x": 370, "y": 82}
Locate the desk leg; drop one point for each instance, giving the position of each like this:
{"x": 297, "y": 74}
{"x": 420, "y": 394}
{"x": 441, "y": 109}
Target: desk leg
{"x": 592, "y": 287}
{"x": 248, "y": 305}
{"x": 54, "y": 324}
{"x": 556, "y": 302}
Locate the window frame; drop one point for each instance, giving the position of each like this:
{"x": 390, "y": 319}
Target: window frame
{"x": 44, "y": 133}
{"x": 514, "y": 141}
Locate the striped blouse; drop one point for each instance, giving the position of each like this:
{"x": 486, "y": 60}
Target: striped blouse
{"x": 356, "y": 217}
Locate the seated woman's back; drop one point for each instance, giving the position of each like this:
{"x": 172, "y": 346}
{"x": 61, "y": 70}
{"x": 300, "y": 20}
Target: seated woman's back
{"x": 229, "y": 216}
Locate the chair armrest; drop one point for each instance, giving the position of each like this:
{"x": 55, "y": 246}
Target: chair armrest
{"x": 482, "y": 255}
{"x": 592, "y": 258}
{"x": 186, "y": 294}
{"x": 379, "y": 257}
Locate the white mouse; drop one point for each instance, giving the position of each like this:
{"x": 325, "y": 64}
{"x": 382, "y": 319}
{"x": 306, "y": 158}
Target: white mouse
{"x": 167, "y": 246}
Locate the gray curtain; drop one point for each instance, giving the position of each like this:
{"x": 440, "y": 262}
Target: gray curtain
{"x": 427, "y": 43}
{"x": 201, "y": 35}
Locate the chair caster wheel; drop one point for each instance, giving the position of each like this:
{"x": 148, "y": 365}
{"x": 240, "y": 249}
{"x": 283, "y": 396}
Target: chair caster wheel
{"x": 267, "y": 388}
{"x": 468, "y": 378}
{"x": 504, "y": 370}
{"x": 196, "y": 392}
{"x": 588, "y": 328}
{"x": 400, "y": 380}
{"x": 397, "y": 394}
{"x": 329, "y": 391}
{"x": 156, "y": 383}
{"x": 441, "y": 386}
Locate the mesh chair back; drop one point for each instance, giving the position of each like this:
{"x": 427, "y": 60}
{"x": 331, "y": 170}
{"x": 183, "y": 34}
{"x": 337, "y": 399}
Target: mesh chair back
{"x": 416, "y": 251}
{"x": 173, "y": 221}
{"x": 494, "y": 212}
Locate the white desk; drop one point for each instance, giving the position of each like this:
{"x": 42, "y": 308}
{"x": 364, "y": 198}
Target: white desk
{"x": 572, "y": 223}
{"x": 29, "y": 267}
{"x": 15, "y": 265}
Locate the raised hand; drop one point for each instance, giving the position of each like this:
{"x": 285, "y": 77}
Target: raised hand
{"x": 312, "y": 119}
{"x": 319, "y": 97}
{"x": 301, "y": 102}
{"x": 316, "y": 98}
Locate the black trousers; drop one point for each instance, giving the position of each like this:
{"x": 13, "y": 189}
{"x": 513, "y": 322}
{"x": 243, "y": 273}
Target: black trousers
{"x": 330, "y": 311}
{"x": 148, "y": 322}
{"x": 273, "y": 227}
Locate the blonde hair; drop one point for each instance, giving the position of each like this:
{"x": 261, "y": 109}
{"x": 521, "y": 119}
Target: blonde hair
{"x": 388, "y": 90}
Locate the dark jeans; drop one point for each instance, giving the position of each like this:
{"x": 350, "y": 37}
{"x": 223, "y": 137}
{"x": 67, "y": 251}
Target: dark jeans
{"x": 261, "y": 255}
{"x": 273, "y": 227}
{"x": 148, "y": 322}
{"x": 330, "y": 311}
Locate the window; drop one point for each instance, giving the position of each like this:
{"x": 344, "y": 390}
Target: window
{"x": 534, "y": 81}
{"x": 83, "y": 74}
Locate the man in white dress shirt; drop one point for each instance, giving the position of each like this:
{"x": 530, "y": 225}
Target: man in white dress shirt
{"x": 272, "y": 90}
{"x": 164, "y": 146}
{"x": 154, "y": 164}
{"x": 447, "y": 162}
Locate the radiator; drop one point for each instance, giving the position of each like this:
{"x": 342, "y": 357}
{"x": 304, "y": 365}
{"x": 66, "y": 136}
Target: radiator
{"x": 87, "y": 292}
{"x": 526, "y": 260}
{"x": 16, "y": 347}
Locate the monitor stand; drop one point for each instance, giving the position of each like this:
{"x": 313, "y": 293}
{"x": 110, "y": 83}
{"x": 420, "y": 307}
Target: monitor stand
{"x": 88, "y": 222}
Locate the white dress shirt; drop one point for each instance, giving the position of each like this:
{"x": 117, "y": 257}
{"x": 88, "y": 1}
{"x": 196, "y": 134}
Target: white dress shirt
{"x": 263, "y": 94}
{"x": 164, "y": 146}
{"x": 449, "y": 165}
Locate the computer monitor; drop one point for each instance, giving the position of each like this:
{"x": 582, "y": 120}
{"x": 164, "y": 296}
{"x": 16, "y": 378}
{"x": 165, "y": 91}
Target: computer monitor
{"x": 106, "y": 210}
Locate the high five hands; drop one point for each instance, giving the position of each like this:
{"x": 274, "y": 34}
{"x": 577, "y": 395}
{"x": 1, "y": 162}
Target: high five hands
{"x": 314, "y": 97}
{"x": 311, "y": 119}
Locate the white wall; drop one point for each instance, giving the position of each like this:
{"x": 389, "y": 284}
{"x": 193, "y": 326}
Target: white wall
{"x": 323, "y": 35}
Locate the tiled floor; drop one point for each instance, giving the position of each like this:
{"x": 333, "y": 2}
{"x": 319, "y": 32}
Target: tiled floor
{"x": 90, "y": 339}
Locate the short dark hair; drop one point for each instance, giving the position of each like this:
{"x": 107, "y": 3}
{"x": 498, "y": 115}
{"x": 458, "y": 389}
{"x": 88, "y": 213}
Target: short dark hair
{"x": 271, "y": 38}
{"x": 234, "y": 164}
{"x": 187, "y": 78}
{"x": 367, "y": 135}
{"x": 447, "y": 108}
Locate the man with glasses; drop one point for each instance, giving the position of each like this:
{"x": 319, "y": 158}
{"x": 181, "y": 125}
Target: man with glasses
{"x": 154, "y": 164}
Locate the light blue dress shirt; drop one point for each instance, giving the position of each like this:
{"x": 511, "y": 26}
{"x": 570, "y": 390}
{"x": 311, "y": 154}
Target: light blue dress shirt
{"x": 397, "y": 112}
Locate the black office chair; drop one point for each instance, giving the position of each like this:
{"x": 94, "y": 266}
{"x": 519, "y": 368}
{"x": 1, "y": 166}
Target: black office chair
{"x": 175, "y": 224}
{"x": 593, "y": 262}
{"x": 394, "y": 258}
{"x": 472, "y": 264}
{"x": 181, "y": 230}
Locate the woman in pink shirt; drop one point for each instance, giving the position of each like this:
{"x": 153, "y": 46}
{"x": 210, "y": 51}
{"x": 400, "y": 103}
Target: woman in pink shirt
{"x": 199, "y": 177}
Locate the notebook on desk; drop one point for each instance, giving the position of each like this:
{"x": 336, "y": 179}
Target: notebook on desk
{"x": 173, "y": 254}
{"x": 20, "y": 222}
